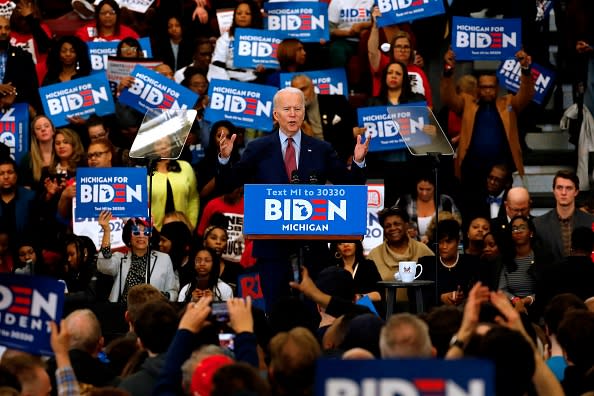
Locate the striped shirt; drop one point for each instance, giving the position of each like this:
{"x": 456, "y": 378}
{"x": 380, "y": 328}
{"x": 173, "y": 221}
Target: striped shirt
{"x": 521, "y": 282}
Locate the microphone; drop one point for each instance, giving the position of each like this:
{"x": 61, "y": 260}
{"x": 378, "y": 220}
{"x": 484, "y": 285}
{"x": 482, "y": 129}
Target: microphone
{"x": 295, "y": 177}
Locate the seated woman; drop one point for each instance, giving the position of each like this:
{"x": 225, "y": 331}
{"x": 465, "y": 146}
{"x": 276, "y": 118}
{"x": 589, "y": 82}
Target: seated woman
{"x": 41, "y": 154}
{"x": 523, "y": 264}
{"x": 349, "y": 255}
{"x": 206, "y": 281}
{"x": 68, "y": 59}
{"x": 216, "y": 238}
{"x": 421, "y": 205}
{"x": 478, "y": 227}
{"x": 135, "y": 267}
{"x": 456, "y": 273}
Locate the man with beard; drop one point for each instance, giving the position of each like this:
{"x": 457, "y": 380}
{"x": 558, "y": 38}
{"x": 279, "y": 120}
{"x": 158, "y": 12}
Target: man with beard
{"x": 17, "y": 70}
{"x": 16, "y": 202}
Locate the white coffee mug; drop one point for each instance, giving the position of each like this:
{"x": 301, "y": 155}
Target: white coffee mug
{"x": 407, "y": 271}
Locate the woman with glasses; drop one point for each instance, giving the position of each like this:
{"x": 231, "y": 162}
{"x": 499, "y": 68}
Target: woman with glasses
{"x": 135, "y": 267}
{"x": 523, "y": 264}
{"x": 107, "y": 25}
{"x": 100, "y": 153}
{"x": 401, "y": 49}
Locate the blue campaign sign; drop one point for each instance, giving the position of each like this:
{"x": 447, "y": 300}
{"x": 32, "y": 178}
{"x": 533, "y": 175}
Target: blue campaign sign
{"x": 303, "y": 20}
{"x": 326, "y": 82}
{"x": 509, "y": 76}
{"x": 27, "y": 305}
{"x": 388, "y": 131}
{"x": 305, "y": 210}
{"x": 123, "y": 191}
{"x": 244, "y": 104}
{"x": 152, "y": 90}
{"x": 335, "y": 377}
{"x": 14, "y": 130}
{"x": 255, "y": 47}
{"x": 486, "y": 39}
{"x": 80, "y": 97}
{"x": 400, "y": 11}
{"x": 99, "y": 51}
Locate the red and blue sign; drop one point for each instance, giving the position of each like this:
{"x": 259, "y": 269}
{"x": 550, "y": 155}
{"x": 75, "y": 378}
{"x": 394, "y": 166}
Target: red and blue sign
{"x": 303, "y": 20}
{"x": 123, "y": 191}
{"x": 305, "y": 210}
{"x": 99, "y": 51}
{"x": 509, "y": 76}
{"x": 14, "y": 130}
{"x": 326, "y": 82}
{"x": 256, "y": 47}
{"x": 244, "y": 104}
{"x": 486, "y": 39}
{"x": 79, "y": 97}
{"x": 400, "y": 11}
{"x": 249, "y": 285}
{"x": 152, "y": 90}
{"x": 27, "y": 305}
{"x": 422, "y": 377}
{"x": 390, "y": 129}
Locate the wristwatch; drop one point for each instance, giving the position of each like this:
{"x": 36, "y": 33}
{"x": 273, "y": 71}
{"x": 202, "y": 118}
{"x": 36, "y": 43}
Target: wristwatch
{"x": 456, "y": 342}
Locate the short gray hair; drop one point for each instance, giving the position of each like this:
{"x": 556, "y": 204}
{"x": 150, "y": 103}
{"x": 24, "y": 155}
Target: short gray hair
{"x": 405, "y": 336}
{"x": 287, "y": 90}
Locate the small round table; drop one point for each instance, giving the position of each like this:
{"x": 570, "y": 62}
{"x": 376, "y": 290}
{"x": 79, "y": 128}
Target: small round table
{"x": 391, "y": 287}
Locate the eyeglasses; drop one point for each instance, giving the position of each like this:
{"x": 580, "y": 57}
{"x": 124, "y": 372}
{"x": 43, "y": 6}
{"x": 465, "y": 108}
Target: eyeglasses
{"x": 136, "y": 231}
{"x": 402, "y": 47}
{"x": 129, "y": 50}
{"x": 98, "y": 136}
{"x": 97, "y": 154}
{"x": 107, "y": 13}
{"x": 520, "y": 228}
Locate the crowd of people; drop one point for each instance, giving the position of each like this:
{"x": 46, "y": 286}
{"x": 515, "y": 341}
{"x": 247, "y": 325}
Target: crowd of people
{"x": 159, "y": 306}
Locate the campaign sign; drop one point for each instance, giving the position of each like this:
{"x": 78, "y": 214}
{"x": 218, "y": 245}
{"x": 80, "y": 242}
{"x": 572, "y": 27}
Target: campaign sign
{"x": 305, "y": 21}
{"x": 152, "y": 90}
{"x": 254, "y": 47}
{"x": 27, "y": 305}
{"x": 326, "y": 82}
{"x": 99, "y": 51}
{"x": 509, "y": 76}
{"x": 374, "y": 235}
{"x": 400, "y": 11}
{"x": 14, "y": 130}
{"x": 486, "y": 39}
{"x": 305, "y": 209}
{"x": 405, "y": 377}
{"x": 79, "y": 97}
{"x": 250, "y": 285}
{"x": 388, "y": 132}
{"x": 123, "y": 191}
{"x": 244, "y": 104}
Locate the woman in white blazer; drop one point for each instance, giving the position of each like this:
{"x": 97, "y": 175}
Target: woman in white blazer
{"x": 131, "y": 269}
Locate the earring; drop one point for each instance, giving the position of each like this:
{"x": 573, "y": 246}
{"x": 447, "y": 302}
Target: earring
{"x": 337, "y": 255}
{"x": 77, "y": 66}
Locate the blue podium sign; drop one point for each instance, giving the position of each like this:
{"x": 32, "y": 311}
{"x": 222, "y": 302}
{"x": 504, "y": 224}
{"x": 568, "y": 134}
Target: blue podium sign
{"x": 27, "y": 305}
{"x": 288, "y": 210}
{"x": 336, "y": 377}
{"x": 121, "y": 190}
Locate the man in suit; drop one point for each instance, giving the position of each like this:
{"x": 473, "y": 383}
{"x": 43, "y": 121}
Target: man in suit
{"x": 287, "y": 155}
{"x": 517, "y": 203}
{"x": 555, "y": 227}
{"x": 327, "y": 117}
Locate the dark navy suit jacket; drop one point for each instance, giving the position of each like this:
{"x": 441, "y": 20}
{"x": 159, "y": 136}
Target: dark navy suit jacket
{"x": 262, "y": 163}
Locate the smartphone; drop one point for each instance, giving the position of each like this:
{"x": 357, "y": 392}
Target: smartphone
{"x": 220, "y": 312}
{"x": 226, "y": 340}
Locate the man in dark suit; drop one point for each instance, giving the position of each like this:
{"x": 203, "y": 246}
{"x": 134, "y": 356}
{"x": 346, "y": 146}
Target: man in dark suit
{"x": 17, "y": 70}
{"x": 287, "y": 155}
{"x": 555, "y": 227}
{"x": 517, "y": 203}
{"x": 327, "y": 117}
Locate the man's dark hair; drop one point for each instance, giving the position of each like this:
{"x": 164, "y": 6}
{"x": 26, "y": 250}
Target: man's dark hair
{"x": 239, "y": 378}
{"x": 8, "y": 160}
{"x": 393, "y": 211}
{"x": 569, "y": 175}
{"x": 156, "y": 325}
{"x": 575, "y": 337}
{"x": 443, "y": 323}
{"x": 557, "y": 308}
{"x": 94, "y": 120}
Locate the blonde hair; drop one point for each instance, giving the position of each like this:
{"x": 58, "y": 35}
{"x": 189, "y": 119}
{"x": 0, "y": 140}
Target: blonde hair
{"x": 78, "y": 151}
{"x": 36, "y": 157}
